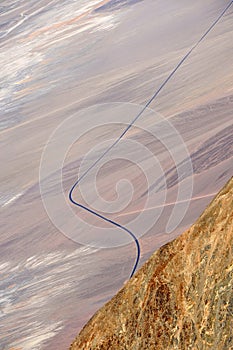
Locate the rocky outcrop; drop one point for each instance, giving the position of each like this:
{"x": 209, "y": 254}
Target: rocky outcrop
{"x": 182, "y": 298}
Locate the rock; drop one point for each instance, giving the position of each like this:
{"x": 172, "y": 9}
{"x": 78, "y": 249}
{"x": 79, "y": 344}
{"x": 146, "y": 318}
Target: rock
{"x": 182, "y": 298}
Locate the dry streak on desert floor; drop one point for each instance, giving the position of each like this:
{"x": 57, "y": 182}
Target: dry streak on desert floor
{"x": 58, "y": 58}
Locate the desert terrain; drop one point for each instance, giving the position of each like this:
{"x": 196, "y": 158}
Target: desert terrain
{"x": 62, "y": 59}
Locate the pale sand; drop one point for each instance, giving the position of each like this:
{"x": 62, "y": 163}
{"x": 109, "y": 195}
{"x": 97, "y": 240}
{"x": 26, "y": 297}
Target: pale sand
{"x": 48, "y": 279}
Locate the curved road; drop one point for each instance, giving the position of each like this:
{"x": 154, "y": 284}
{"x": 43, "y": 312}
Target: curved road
{"x": 126, "y": 130}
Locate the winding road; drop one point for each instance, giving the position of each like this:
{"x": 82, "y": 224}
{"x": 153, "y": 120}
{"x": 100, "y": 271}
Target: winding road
{"x": 125, "y": 229}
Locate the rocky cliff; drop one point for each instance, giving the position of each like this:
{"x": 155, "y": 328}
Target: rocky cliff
{"x": 182, "y": 298}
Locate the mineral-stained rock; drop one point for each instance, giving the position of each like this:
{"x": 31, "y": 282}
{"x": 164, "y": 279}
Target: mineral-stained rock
{"x": 182, "y": 298}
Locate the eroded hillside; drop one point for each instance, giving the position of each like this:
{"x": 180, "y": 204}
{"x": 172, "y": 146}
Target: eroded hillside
{"x": 182, "y": 298}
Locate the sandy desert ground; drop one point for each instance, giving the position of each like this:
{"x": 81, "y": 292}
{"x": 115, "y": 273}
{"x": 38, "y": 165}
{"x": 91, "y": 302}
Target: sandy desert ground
{"x": 58, "y": 58}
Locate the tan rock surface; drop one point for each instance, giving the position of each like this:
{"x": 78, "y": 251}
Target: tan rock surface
{"x": 182, "y": 298}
